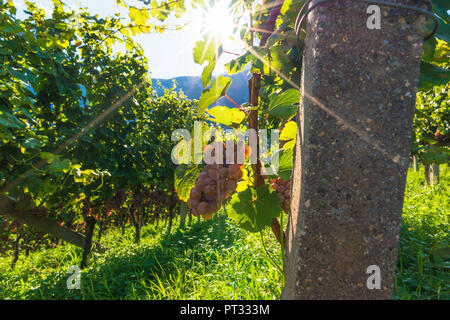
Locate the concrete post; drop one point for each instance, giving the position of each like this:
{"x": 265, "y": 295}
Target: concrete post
{"x": 352, "y": 155}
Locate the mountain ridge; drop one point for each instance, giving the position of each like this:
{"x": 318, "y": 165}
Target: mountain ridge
{"x": 192, "y": 87}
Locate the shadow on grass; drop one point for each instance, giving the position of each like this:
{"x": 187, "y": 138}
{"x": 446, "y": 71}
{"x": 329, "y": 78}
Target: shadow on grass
{"x": 124, "y": 273}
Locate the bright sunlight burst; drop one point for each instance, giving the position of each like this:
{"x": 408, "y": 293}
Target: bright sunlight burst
{"x": 217, "y": 20}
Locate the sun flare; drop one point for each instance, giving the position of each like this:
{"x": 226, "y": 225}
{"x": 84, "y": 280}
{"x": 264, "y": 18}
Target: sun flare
{"x": 218, "y": 20}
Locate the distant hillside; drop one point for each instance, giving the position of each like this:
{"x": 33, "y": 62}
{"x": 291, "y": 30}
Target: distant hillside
{"x": 192, "y": 88}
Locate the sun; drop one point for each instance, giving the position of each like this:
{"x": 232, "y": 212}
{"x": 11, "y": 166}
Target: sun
{"x": 217, "y": 21}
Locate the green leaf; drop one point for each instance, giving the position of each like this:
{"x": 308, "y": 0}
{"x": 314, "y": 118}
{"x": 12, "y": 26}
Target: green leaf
{"x": 286, "y": 164}
{"x": 28, "y": 115}
{"x": 218, "y": 88}
{"x": 207, "y": 73}
{"x": 160, "y": 11}
{"x": 59, "y": 166}
{"x": 24, "y": 75}
{"x": 284, "y": 112}
{"x": 238, "y": 64}
{"x": 431, "y": 75}
{"x": 443, "y": 32}
{"x": 254, "y": 210}
{"x": 289, "y": 131}
{"x": 185, "y": 176}
{"x": 139, "y": 16}
{"x": 5, "y": 51}
{"x": 31, "y": 143}
{"x": 7, "y": 120}
{"x": 428, "y": 49}
{"x": 286, "y": 98}
{"x": 47, "y": 155}
{"x": 278, "y": 58}
{"x": 206, "y": 50}
{"x": 227, "y": 116}
{"x": 285, "y": 7}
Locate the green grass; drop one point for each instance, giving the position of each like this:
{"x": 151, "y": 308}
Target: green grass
{"x": 216, "y": 260}
{"x": 423, "y": 269}
{"x": 208, "y": 260}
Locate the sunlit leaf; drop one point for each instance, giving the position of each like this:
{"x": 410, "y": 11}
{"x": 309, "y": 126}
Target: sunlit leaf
{"x": 254, "y": 210}
{"x": 218, "y": 88}
{"x": 289, "y": 131}
{"x": 185, "y": 176}
{"x": 227, "y": 116}
{"x": 286, "y": 98}
{"x": 206, "y": 50}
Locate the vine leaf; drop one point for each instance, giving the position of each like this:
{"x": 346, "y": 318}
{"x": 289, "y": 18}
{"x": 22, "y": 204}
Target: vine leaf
{"x": 285, "y": 99}
{"x": 24, "y": 75}
{"x": 207, "y": 73}
{"x": 139, "y": 16}
{"x": 284, "y": 105}
{"x": 429, "y": 48}
{"x": 60, "y": 166}
{"x": 185, "y": 176}
{"x": 160, "y": 11}
{"x": 218, "y": 88}
{"x": 7, "y": 120}
{"x": 285, "y": 164}
{"x": 206, "y": 51}
{"x": 431, "y": 75}
{"x": 253, "y": 210}
{"x": 227, "y": 116}
{"x": 289, "y": 131}
{"x": 284, "y": 112}
{"x": 238, "y": 64}
{"x": 209, "y": 51}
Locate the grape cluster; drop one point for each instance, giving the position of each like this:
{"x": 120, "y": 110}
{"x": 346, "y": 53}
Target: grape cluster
{"x": 283, "y": 189}
{"x": 214, "y": 184}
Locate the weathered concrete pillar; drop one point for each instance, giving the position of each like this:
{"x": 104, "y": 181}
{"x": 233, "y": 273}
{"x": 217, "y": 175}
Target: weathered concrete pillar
{"x": 356, "y": 114}
{"x": 434, "y": 174}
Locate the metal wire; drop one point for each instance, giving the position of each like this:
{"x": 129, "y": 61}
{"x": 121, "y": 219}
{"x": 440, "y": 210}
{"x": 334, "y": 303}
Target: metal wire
{"x": 304, "y": 11}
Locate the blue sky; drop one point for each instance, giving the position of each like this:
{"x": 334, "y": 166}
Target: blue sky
{"x": 169, "y": 54}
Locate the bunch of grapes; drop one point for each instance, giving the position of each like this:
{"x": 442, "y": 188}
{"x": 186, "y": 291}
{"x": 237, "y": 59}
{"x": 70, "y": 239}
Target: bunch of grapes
{"x": 215, "y": 184}
{"x": 283, "y": 189}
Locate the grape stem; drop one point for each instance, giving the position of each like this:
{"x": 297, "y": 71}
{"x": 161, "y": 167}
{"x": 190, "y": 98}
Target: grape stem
{"x": 238, "y": 106}
{"x": 268, "y": 255}
{"x": 260, "y": 14}
{"x": 254, "y": 86}
{"x": 232, "y": 53}
{"x": 232, "y": 101}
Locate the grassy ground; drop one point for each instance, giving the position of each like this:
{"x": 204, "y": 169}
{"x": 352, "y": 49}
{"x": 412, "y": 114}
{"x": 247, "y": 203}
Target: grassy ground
{"x": 423, "y": 270}
{"x": 216, "y": 260}
{"x": 207, "y": 260}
